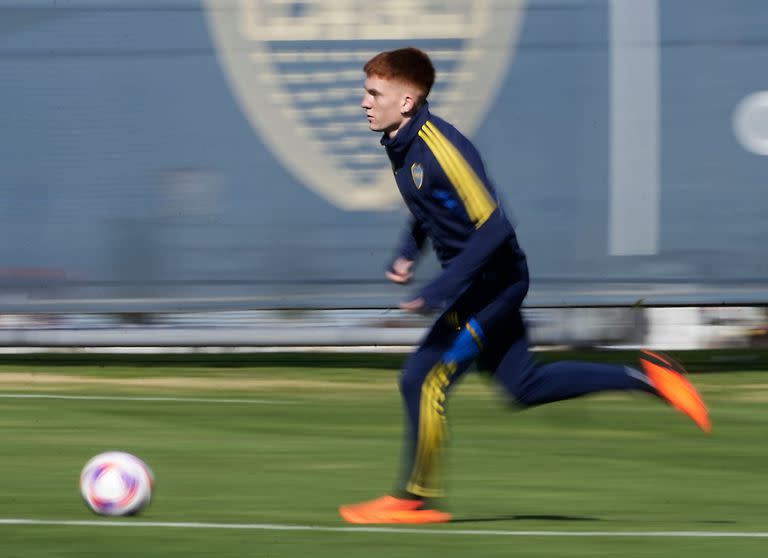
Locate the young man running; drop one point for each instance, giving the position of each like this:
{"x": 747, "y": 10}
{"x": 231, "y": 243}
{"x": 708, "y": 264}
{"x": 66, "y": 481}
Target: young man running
{"x": 478, "y": 294}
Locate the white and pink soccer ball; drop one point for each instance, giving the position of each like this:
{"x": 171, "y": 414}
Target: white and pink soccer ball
{"x": 116, "y": 483}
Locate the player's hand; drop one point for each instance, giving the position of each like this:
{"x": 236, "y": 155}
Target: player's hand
{"x": 400, "y": 272}
{"x": 417, "y": 305}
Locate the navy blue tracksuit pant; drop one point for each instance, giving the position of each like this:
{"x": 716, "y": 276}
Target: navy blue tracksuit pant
{"x": 427, "y": 378}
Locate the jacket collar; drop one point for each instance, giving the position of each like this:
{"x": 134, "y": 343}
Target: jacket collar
{"x": 407, "y": 133}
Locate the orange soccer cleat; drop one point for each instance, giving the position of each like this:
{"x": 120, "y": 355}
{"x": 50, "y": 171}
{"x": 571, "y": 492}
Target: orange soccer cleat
{"x": 668, "y": 378}
{"x": 388, "y": 509}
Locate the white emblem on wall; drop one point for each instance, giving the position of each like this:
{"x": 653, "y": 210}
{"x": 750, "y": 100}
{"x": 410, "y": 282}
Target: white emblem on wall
{"x": 296, "y": 69}
{"x": 750, "y": 122}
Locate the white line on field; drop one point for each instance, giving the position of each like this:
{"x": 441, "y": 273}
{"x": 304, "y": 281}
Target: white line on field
{"x": 442, "y": 532}
{"x": 130, "y": 398}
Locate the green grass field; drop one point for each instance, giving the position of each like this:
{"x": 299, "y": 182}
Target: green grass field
{"x": 311, "y": 433}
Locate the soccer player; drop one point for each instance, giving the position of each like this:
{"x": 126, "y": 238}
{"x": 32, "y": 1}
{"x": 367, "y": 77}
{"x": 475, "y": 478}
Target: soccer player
{"x": 478, "y": 293}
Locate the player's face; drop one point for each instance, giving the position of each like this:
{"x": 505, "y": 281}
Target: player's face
{"x": 385, "y": 103}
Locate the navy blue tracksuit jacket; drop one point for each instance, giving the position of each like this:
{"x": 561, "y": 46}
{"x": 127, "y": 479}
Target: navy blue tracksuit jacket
{"x": 442, "y": 180}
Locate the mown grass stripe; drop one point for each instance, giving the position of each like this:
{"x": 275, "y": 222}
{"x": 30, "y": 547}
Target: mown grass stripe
{"x": 140, "y": 398}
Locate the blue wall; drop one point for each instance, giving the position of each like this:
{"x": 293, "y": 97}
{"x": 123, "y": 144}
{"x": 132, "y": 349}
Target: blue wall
{"x": 129, "y": 168}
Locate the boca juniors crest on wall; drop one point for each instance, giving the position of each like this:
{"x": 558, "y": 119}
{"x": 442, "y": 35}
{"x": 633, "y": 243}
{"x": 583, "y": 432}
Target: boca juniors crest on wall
{"x": 296, "y": 71}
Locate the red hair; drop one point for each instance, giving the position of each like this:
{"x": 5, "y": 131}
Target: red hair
{"x": 410, "y": 65}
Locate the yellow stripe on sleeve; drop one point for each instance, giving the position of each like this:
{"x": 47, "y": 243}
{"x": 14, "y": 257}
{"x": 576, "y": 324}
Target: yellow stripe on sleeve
{"x": 469, "y": 182}
{"x": 477, "y": 200}
{"x": 451, "y": 171}
{"x": 462, "y": 178}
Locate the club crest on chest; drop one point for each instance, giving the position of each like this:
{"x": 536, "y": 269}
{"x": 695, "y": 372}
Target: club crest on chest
{"x": 417, "y": 173}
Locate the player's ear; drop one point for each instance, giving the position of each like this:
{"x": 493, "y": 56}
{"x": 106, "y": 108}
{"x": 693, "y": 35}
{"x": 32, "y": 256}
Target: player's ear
{"x": 408, "y": 104}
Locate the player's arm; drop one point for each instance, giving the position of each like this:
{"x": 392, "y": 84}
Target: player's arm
{"x": 400, "y": 270}
{"x": 463, "y": 169}
{"x": 457, "y": 276}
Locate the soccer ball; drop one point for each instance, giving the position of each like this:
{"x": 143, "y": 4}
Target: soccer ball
{"x": 116, "y": 483}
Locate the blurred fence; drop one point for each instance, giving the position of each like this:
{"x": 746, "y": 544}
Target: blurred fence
{"x": 678, "y": 328}
{"x": 196, "y": 156}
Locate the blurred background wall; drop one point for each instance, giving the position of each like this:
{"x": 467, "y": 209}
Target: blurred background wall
{"x": 204, "y": 155}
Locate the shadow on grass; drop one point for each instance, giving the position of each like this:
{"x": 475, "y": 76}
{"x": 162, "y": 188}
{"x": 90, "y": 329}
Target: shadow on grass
{"x": 524, "y": 518}
{"x": 565, "y": 518}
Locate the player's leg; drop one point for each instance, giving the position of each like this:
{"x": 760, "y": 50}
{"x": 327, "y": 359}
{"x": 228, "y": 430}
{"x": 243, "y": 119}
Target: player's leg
{"x": 427, "y": 377}
{"x": 530, "y": 383}
{"x": 424, "y": 385}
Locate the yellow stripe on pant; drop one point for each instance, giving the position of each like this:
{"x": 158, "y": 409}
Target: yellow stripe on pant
{"x": 425, "y": 478}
